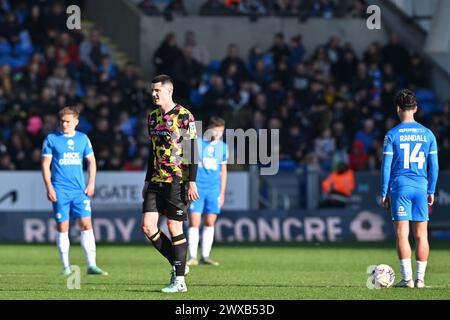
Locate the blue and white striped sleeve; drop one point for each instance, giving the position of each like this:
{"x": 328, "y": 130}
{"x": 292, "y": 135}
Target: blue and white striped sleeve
{"x": 388, "y": 153}
{"x": 433, "y": 165}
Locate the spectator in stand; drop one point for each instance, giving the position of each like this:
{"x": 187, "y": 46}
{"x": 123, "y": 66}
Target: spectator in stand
{"x": 215, "y": 7}
{"x": 338, "y": 187}
{"x": 11, "y": 29}
{"x": 251, "y": 7}
{"x": 6, "y": 82}
{"x": 216, "y": 97}
{"x": 358, "y": 9}
{"x": 199, "y": 52}
{"x": 345, "y": 68}
{"x": 36, "y": 26}
{"x": 397, "y": 55}
{"x": 59, "y": 82}
{"x": 367, "y": 135}
{"x": 325, "y": 147}
{"x": 127, "y": 78}
{"x": 373, "y": 54}
{"x": 417, "y": 73}
{"x": 174, "y": 8}
{"x": 297, "y": 50}
{"x": 287, "y": 7}
{"x": 57, "y": 18}
{"x": 261, "y": 74}
{"x": 233, "y": 58}
{"x": 279, "y": 50}
{"x": 187, "y": 74}
{"x": 358, "y": 158}
{"x": 149, "y": 8}
{"x": 166, "y": 55}
{"x": 92, "y": 51}
{"x": 6, "y": 162}
{"x": 333, "y": 49}
{"x": 67, "y": 51}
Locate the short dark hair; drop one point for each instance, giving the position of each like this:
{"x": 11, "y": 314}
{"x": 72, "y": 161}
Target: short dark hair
{"x": 216, "y": 122}
{"x": 405, "y": 99}
{"x": 163, "y": 78}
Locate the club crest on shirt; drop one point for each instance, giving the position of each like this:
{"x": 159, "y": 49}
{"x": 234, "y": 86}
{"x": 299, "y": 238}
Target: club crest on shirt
{"x": 71, "y": 144}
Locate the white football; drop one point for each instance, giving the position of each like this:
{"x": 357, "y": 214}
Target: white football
{"x": 383, "y": 276}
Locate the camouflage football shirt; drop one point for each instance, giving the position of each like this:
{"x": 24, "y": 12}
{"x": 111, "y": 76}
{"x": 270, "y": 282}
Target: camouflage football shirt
{"x": 167, "y": 133}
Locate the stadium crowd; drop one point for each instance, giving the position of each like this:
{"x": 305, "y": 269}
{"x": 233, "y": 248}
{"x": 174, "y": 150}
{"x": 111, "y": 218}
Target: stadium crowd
{"x": 329, "y": 104}
{"x": 256, "y": 8}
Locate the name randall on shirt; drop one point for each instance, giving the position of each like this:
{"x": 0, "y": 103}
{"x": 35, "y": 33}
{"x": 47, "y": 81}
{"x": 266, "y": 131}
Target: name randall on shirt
{"x": 413, "y": 137}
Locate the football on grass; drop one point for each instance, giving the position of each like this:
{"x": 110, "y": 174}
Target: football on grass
{"x": 383, "y": 276}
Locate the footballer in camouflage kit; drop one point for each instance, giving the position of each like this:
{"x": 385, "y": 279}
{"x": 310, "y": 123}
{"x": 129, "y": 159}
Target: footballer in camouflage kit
{"x": 168, "y": 169}
{"x": 170, "y": 183}
{"x": 167, "y": 133}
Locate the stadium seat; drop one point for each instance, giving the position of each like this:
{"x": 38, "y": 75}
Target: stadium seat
{"x": 287, "y": 165}
{"x": 196, "y": 98}
{"x": 426, "y": 100}
{"x": 5, "y": 53}
{"x": 214, "y": 66}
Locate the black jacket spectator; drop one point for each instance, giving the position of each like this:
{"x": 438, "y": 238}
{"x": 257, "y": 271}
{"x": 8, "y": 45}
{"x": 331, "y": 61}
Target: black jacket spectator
{"x": 166, "y": 55}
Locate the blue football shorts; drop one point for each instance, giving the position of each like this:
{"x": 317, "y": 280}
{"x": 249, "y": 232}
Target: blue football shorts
{"x": 409, "y": 203}
{"x": 71, "y": 205}
{"x": 208, "y": 202}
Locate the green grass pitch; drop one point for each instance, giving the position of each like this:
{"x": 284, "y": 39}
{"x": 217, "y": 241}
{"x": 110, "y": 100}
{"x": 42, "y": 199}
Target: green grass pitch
{"x": 263, "y": 272}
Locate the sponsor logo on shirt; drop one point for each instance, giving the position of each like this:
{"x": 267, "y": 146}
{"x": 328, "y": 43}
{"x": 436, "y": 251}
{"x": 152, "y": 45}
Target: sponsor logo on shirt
{"x": 192, "y": 128}
{"x": 70, "y": 158}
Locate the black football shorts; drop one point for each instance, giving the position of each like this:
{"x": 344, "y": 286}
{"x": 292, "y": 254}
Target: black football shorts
{"x": 169, "y": 199}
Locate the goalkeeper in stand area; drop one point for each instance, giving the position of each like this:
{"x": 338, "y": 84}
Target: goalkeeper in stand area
{"x": 170, "y": 181}
{"x": 409, "y": 175}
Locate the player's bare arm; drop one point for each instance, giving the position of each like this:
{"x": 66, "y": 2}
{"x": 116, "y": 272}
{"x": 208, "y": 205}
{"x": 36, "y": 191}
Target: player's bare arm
{"x": 223, "y": 184}
{"x": 386, "y": 203}
{"x": 90, "y": 188}
{"x": 430, "y": 199}
{"x": 47, "y": 174}
{"x": 192, "y": 191}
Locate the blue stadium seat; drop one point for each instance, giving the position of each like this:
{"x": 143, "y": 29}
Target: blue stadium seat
{"x": 80, "y": 91}
{"x": 287, "y": 165}
{"x": 196, "y": 98}
{"x": 426, "y": 101}
{"x": 5, "y": 53}
{"x": 214, "y": 66}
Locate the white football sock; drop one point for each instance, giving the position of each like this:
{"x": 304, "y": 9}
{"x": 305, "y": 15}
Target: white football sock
{"x": 406, "y": 269}
{"x": 420, "y": 271}
{"x": 63, "y": 244}
{"x": 193, "y": 237}
{"x": 207, "y": 241}
{"x": 87, "y": 240}
{"x": 180, "y": 279}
